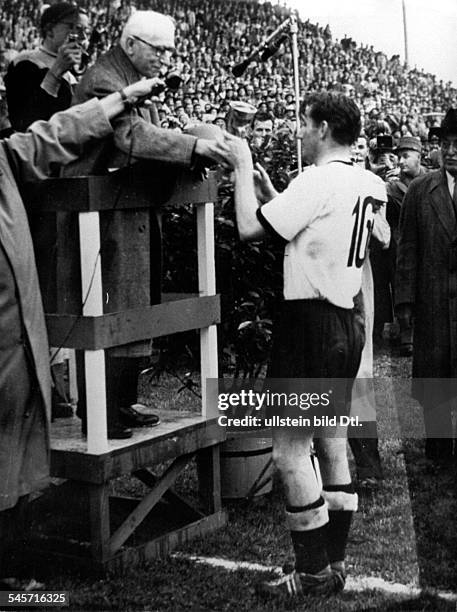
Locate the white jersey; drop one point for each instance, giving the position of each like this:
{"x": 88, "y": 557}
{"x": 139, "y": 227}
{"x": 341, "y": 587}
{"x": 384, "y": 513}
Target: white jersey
{"x": 326, "y": 215}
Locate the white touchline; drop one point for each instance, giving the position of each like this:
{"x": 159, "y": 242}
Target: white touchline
{"x": 361, "y": 583}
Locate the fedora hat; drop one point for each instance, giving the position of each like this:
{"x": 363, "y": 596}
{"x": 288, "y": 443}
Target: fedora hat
{"x": 449, "y": 123}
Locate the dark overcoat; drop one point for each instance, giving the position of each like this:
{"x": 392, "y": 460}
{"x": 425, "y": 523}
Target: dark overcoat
{"x": 24, "y": 354}
{"x": 427, "y": 278}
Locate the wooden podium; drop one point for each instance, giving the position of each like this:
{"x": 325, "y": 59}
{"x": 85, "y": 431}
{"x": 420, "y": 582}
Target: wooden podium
{"x": 111, "y": 540}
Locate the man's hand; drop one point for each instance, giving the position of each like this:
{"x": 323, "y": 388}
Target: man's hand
{"x": 264, "y": 189}
{"x": 236, "y": 152}
{"x": 118, "y": 102}
{"x": 211, "y": 149}
{"x": 142, "y": 90}
{"x": 69, "y": 55}
{"x": 392, "y": 174}
{"x": 404, "y": 315}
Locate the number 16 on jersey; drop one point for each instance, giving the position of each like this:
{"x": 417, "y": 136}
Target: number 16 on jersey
{"x": 361, "y": 233}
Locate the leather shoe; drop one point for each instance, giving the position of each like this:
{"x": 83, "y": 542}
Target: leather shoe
{"x": 138, "y": 415}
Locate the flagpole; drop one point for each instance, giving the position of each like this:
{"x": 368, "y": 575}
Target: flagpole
{"x": 405, "y": 33}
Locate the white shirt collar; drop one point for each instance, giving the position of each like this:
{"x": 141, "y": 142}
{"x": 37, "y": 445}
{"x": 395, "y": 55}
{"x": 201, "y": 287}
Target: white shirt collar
{"x": 450, "y": 183}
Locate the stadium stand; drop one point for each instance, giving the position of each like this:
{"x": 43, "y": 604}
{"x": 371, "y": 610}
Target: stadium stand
{"x": 212, "y": 35}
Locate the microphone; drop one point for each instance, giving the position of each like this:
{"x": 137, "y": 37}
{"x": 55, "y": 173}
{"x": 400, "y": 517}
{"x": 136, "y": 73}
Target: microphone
{"x": 173, "y": 81}
{"x": 266, "y": 48}
{"x": 239, "y": 69}
{"x": 273, "y": 48}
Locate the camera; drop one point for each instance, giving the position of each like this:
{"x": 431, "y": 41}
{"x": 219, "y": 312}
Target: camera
{"x": 85, "y": 57}
{"x": 73, "y": 38}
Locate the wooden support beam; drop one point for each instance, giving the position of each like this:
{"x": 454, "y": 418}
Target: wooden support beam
{"x": 209, "y": 478}
{"x": 94, "y": 360}
{"x": 117, "y": 328}
{"x": 207, "y": 287}
{"x": 97, "y": 193}
{"x": 150, "y": 479}
{"x": 99, "y": 521}
{"x": 148, "y": 502}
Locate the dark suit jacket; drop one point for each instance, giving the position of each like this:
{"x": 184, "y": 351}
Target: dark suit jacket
{"x": 27, "y": 100}
{"x": 427, "y": 274}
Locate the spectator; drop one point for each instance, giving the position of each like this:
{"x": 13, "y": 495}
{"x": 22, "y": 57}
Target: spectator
{"x": 383, "y": 162}
{"x": 426, "y": 277}
{"x": 409, "y": 151}
{"x": 366, "y": 449}
{"x": 262, "y": 131}
{"x": 39, "y": 83}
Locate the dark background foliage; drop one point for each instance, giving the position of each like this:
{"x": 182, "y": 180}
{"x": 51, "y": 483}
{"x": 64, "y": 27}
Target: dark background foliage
{"x": 248, "y": 275}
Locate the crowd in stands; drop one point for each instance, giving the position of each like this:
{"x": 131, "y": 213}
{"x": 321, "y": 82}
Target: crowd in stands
{"x": 213, "y": 35}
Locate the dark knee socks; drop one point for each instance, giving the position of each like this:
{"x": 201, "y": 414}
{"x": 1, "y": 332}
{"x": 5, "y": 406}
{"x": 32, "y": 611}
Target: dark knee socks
{"x": 320, "y": 530}
{"x": 342, "y": 503}
{"x": 308, "y": 525}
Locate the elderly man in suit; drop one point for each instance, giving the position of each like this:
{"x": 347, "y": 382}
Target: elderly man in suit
{"x": 133, "y": 237}
{"x": 426, "y": 290}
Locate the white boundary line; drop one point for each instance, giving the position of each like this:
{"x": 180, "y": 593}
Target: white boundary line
{"x": 361, "y": 583}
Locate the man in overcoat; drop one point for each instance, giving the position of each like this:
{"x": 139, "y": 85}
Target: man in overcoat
{"x": 426, "y": 290}
{"x": 25, "y": 386}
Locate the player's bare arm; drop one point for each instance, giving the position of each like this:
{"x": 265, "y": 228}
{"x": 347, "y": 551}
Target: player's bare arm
{"x": 238, "y": 156}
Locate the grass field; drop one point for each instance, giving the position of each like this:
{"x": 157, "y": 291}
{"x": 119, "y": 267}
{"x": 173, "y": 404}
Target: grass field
{"x": 404, "y": 533}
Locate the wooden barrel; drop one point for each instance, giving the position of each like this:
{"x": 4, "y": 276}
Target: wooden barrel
{"x": 246, "y": 464}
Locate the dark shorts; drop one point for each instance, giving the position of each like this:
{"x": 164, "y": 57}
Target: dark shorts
{"x": 314, "y": 339}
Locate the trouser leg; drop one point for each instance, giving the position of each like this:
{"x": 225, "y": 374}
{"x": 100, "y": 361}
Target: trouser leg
{"x": 366, "y": 451}
{"x": 121, "y": 384}
{"x": 121, "y": 375}
{"x": 438, "y": 431}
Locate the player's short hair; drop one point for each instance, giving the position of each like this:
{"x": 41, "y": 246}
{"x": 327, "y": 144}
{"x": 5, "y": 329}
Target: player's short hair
{"x": 339, "y": 111}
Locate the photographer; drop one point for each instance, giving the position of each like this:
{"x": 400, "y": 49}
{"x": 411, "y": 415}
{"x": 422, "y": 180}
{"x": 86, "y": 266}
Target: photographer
{"x": 40, "y": 83}
{"x": 383, "y": 162}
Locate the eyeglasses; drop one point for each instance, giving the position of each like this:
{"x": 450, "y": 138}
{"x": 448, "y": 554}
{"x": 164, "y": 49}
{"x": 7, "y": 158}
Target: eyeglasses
{"x": 160, "y": 50}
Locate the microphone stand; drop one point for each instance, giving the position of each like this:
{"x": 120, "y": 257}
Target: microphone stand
{"x": 291, "y": 24}
{"x": 295, "y": 55}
